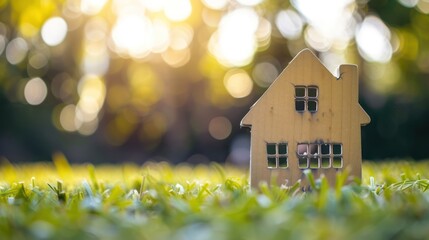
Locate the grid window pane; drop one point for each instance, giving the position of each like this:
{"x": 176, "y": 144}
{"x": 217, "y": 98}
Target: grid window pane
{"x": 300, "y": 105}
{"x": 312, "y": 92}
{"x": 314, "y": 149}
{"x": 325, "y": 162}
{"x": 271, "y": 148}
{"x": 314, "y": 162}
{"x": 302, "y": 149}
{"x": 272, "y": 162}
{"x": 300, "y": 91}
{"x": 282, "y": 148}
{"x": 302, "y": 162}
{"x": 325, "y": 149}
{"x": 312, "y": 105}
{"x": 283, "y": 162}
{"x": 337, "y": 162}
{"x": 337, "y": 149}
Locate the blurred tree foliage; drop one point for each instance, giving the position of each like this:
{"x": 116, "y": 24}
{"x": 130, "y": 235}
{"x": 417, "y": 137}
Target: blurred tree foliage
{"x": 110, "y": 80}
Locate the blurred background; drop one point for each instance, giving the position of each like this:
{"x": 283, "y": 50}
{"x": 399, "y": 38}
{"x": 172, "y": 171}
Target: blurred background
{"x": 137, "y": 80}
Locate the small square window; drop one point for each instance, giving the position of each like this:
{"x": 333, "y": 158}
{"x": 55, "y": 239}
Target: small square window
{"x": 312, "y": 92}
{"x": 300, "y": 105}
{"x": 314, "y": 162}
{"x": 337, "y": 149}
{"x": 282, "y": 148}
{"x": 302, "y": 149}
{"x": 337, "y": 162}
{"x": 272, "y": 162}
{"x": 325, "y": 149}
{"x": 325, "y": 162}
{"x": 283, "y": 162}
{"x": 314, "y": 149}
{"x": 302, "y": 162}
{"x": 271, "y": 148}
{"x": 312, "y": 105}
{"x": 300, "y": 91}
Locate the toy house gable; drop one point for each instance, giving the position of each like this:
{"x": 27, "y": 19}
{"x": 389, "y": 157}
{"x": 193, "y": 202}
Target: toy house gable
{"x": 307, "y": 119}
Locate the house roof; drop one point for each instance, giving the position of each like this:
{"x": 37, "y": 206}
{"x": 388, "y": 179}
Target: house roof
{"x": 304, "y": 55}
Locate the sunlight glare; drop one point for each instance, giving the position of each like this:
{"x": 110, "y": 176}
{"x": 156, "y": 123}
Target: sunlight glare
{"x": 289, "y": 24}
{"x": 332, "y": 60}
{"x": 249, "y": 2}
{"x": 154, "y": 5}
{"x": 317, "y": 40}
{"x": 161, "y": 36}
{"x": 329, "y": 21}
{"x": 133, "y": 35}
{"x": 263, "y": 33}
{"x": 373, "y": 40}
{"x": 54, "y": 31}
{"x": 238, "y": 83}
{"x": 35, "y": 91}
{"x": 96, "y": 59}
{"x": 215, "y": 4}
{"x": 177, "y": 10}
{"x": 234, "y": 43}
{"x": 92, "y": 7}
{"x": 181, "y": 37}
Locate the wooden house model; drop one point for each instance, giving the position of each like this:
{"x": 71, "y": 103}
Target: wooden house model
{"x": 307, "y": 119}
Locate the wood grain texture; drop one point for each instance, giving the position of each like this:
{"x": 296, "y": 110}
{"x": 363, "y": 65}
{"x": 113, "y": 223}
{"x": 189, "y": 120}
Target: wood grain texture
{"x": 273, "y": 119}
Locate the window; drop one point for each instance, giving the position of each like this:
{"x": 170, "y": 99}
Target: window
{"x": 277, "y": 155}
{"x": 337, "y": 154}
{"x": 319, "y": 155}
{"x": 306, "y": 98}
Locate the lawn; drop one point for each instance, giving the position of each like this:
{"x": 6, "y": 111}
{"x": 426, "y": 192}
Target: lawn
{"x": 160, "y": 201}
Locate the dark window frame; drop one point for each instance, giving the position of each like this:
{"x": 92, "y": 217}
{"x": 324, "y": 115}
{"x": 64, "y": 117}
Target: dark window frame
{"x": 304, "y": 102}
{"x": 326, "y": 156}
{"x": 281, "y": 154}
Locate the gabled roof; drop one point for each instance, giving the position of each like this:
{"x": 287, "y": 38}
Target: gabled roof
{"x": 301, "y": 58}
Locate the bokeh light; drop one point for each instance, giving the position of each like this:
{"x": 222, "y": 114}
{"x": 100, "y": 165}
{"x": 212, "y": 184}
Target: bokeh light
{"x": 35, "y": 91}
{"x": 408, "y": 3}
{"x": 220, "y": 128}
{"x": 264, "y": 73}
{"x": 373, "y": 39}
{"x": 234, "y": 43}
{"x": 16, "y": 50}
{"x": 67, "y": 118}
{"x": 92, "y": 92}
{"x": 2, "y": 43}
{"x": 238, "y": 83}
{"x": 54, "y": 31}
{"x": 130, "y": 42}
{"x": 215, "y": 4}
{"x": 92, "y": 7}
{"x": 330, "y": 22}
{"x": 423, "y": 6}
{"x": 289, "y": 24}
{"x": 249, "y": 2}
{"x": 177, "y": 10}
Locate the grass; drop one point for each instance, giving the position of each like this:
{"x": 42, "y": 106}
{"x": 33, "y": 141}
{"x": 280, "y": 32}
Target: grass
{"x": 160, "y": 201}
